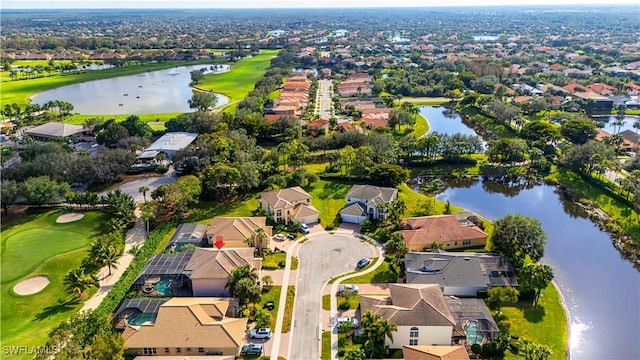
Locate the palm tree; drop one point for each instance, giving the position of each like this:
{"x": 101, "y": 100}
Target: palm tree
{"x": 143, "y": 190}
{"x": 77, "y": 282}
{"x": 260, "y": 237}
{"x": 437, "y": 245}
{"x": 110, "y": 258}
{"x": 267, "y": 281}
{"x": 239, "y": 273}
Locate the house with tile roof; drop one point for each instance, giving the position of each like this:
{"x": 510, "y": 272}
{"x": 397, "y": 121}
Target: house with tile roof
{"x": 419, "y": 311}
{"x": 364, "y": 202}
{"x": 55, "y": 130}
{"x": 289, "y": 205}
{"x": 234, "y": 231}
{"x": 187, "y": 327}
{"x": 455, "y": 233}
{"x": 210, "y": 269}
{"x": 434, "y": 352}
{"x": 459, "y": 273}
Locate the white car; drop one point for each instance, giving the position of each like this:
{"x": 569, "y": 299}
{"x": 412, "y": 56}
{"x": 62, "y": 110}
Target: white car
{"x": 279, "y": 237}
{"x": 262, "y": 333}
{"x": 304, "y": 228}
{"x": 348, "y": 288}
{"x": 351, "y": 320}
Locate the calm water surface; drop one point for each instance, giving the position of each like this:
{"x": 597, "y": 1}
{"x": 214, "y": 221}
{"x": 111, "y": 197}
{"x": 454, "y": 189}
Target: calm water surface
{"x": 443, "y": 121}
{"x": 601, "y": 289}
{"x": 161, "y": 91}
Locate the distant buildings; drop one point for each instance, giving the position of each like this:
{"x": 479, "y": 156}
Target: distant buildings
{"x": 55, "y": 131}
{"x": 169, "y": 144}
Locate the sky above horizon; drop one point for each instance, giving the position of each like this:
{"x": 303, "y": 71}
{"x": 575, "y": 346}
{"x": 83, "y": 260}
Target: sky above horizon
{"x": 198, "y": 4}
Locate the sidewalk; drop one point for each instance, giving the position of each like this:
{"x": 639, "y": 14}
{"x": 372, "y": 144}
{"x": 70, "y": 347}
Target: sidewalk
{"x": 136, "y": 236}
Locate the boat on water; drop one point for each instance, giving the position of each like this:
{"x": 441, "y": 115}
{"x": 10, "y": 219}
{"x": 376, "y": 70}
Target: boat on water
{"x": 120, "y": 104}
{"x": 125, "y": 94}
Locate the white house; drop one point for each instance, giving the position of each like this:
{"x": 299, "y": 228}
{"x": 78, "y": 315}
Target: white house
{"x": 419, "y": 311}
{"x": 364, "y": 203}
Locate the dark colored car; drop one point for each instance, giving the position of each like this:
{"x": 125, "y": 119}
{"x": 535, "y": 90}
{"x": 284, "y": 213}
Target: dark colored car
{"x": 363, "y": 263}
{"x": 251, "y": 349}
{"x": 269, "y": 305}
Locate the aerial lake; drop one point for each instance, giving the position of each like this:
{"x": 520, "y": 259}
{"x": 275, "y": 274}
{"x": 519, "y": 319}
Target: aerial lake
{"x": 162, "y": 91}
{"x": 600, "y": 288}
{"x": 444, "y": 121}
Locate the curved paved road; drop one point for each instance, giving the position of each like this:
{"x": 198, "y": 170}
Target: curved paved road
{"x": 321, "y": 258}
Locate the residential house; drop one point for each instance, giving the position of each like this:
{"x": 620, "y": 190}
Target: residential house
{"x": 430, "y": 352}
{"x": 631, "y": 140}
{"x": 364, "y": 202}
{"x": 210, "y": 269}
{"x": 289, "y": 205}
{"x": 317, "y": 126}
{"x": 452, "y": 231}
{"x": 418, "y": 310}
{"x": 235, "y": 231}
{"x": 459, "y": 273}
{"x": 187, "y": 326}
{"x": 189, "y": 233}
{"x": 474, "y": 323}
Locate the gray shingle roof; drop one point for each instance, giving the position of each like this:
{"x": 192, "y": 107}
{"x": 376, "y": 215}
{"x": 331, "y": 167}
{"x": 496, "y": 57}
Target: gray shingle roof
{"x": 356, "y": 209}
{"x": 374, "y": 195}
{"x": 56, "y": 129}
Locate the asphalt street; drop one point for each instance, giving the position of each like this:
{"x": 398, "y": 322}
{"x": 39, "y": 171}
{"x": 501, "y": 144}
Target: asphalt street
{"x": 321, "y": 258}
{"x": 325, "y": 99}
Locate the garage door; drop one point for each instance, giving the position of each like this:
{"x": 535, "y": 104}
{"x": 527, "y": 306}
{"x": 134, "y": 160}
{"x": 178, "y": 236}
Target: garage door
{"x": 352, "y": 218}
{"x": 311, "y": 219}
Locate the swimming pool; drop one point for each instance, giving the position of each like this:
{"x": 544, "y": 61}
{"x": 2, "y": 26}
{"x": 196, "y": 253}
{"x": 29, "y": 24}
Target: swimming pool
{"x": 140, "y": 318}
{"x": 164, "y": 286}
{"x": 474, "y": 334}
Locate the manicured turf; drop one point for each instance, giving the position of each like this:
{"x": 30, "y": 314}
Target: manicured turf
{"x": 328, "y": 197}
{"x": 273, "y": 261}
{"x": 237, "y": 83}
{"x": 547, "y": 324}
{"x": 272, "y": 295}
{"x": 326, "y": 345}
{"x": 421, "y": 127}
{"x": 354, "y": 301}
{"x": 205, "y": 211}
{"x": 36, "y": 245}
{"x": 385, "y": 273}
{"x": 20, "y": 90}
{"x": 80, "y": 119}
{"x": 288, "y": 309}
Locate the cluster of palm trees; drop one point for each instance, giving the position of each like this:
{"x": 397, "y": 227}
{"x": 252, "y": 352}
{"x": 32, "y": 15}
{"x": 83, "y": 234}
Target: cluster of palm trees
{"x": 243, "y": 284}
{"x": 15, "y": 113}
{"x": 375, "y": 330}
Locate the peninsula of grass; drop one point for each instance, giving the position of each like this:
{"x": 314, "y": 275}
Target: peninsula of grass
{"x": 546, "y": 324}
{"x": 19, "y": 91}
{"x": 237, "y": 83}
{"x": 36, "y": 245}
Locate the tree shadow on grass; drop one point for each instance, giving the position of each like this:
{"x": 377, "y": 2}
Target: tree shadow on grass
{"x": 534, "y": 315}
{"x": 62, "y": 306}
{"x": 334, "y": 190}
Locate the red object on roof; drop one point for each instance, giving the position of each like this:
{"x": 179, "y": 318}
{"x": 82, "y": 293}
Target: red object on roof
{"x": 218, "y": 243}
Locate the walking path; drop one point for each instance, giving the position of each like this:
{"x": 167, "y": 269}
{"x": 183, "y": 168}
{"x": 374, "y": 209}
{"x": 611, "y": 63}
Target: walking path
{"x": 136, "y": 236}
{"x": 277, "y": 336}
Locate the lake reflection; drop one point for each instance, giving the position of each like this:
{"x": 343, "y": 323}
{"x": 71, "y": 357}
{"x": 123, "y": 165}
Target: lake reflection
{"x": 162, "y": 91}
{"x": 601, "y": 289}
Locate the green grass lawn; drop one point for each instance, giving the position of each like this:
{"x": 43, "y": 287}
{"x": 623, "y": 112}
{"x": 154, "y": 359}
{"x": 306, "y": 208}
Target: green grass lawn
{"x": 385, "y": 273}
{"x": 328, "y": 197}
{"x": 547, "y": 324}
{"x": 424, "y": 100}
{"x": 80, "y": 119}
{"x": 272, "y": 295}
{"x": 421, "y": 127}
{"x": 205, "y": 211}
{"x": 326, "y": 345}
{"x": 354, "y": 301}
{"x": 288, "y": 309}
{"x": 36, "y": 245}
{"x": 20, "y": 90}
{"x": 273, "y": 261}
{"x": 237, "y": 83}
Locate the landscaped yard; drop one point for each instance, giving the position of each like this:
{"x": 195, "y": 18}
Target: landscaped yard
{"x": 328, "y": 197}
{"x": 237, "y": 83}
{"x": 547, "y": 324}
{"x": 354, "y": 301}
{"x": 36, "y": 245}
{"x": 385, "y": 273}
{"x": 205, "y": 211}
{"x": 288, "y": 309}
{"x": 272, "y": 295}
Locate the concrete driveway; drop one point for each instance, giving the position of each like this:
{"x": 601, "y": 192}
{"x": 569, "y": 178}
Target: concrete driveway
{"x": 152, "y": 182}
{"x": 322, "y": 257}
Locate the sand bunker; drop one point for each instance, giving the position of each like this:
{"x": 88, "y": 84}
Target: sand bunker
{"x": 31, "y": 286}
{"x": 67, "y": 218}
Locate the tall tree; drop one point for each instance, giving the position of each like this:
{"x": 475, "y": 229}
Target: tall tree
{"x": 9, "y": 194}
{"x": 516, "y": 236}
{"x": 396, "y": 248}
{"x": 143, "y": 190}
{"x": 579, "y": 130}
{"x": 202, "y": 101}
{"x": 537, "y": 277}
{"x": 77, "y": 281}
{"x": 121, "y": 206}
{"x": 501, "y": 295}
{"x": 42, "y": 190}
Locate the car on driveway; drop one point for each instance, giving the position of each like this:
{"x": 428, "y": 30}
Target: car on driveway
{"x": 279, "y": 237}
{"x": 251, "y": 349}
{"x": 351, "y": 320}
{"x": 348, "y": 288}
{"x": 304, "y": 228}
{"x": 363, "y": 263}
{"x": 262, "y": 333}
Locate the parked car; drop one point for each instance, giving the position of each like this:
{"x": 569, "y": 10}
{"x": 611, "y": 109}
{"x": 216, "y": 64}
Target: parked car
{"x": 251, "y": 349}
{"x": 279, "y": 237}
{"x": 351, "y": 320}
{"x": 348, "y": 288}
{"x": 291, "y": 237}
{"x": 269, "y": 305}
{"x": 304, "y": 228}
{"x": 262, "y": 333}
{"x": 362, "y": 263}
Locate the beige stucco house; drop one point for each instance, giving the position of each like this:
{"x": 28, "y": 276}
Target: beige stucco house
{"x": 289, "y": 205}
{"x": 419, "y": 311}
{"x": 187, "y": 327}
{"x": 420, "y": 232}
{"x": 210, "y": 269}
{"x": 234, "y": 231}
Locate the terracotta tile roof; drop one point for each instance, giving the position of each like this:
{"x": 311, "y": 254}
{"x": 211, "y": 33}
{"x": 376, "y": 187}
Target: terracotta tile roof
{"x": 285, "y": 198}
{"x": 411, "y": 305}
{"x": 428, "y": 352}
{"x": 207, "y": 263}
{"x": 189, "y": 322}
{"x": 237, "y": 228}
{"x": 428, "y": 229}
